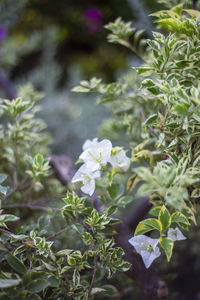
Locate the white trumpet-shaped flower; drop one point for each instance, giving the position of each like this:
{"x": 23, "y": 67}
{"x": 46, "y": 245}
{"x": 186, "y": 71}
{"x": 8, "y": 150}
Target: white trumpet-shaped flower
{"x": 146, "y": 247}
{"x": 89, "y": 143}
{"x": 97, "y": 154}
{"x": 120, "y": 161}
{"x": 175, "y": 234}
{"x": 87, "y": 177}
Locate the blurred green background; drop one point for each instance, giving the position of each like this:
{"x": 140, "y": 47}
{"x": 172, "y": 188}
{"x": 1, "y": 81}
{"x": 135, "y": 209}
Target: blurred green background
{"x": 54, "y": 45}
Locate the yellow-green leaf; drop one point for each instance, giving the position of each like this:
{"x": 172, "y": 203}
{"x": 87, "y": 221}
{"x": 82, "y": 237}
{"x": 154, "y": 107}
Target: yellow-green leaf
{"x": 167, "y": 245}
{"x": 164, "y": 217}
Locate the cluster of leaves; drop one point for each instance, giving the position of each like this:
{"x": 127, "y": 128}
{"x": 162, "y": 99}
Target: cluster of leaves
{"x": 159, "y": 108}
{"x": 33, "y": 264}
{"x": 165, "y": 96}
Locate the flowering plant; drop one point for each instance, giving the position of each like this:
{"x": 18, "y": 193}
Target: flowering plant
{"x": 156, "y": 107}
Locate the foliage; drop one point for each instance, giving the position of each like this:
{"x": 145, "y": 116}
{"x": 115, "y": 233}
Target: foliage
{"x": 165, "y": 95}
{"x": 158, "y": 107}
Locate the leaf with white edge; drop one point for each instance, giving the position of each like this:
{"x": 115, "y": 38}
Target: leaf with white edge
{"x": 96, "y": 290}
{"x": 2, "y": 178}
{"x": 144, "y": 70}
{"x": 64, "y": 252}
{"x": 8, "y": 218}
{"x": 178, "y": 217}
{"x": 18, "y": 237}
{"x": 142, "y": 228}
{"x": 110, "y": 290}
{"x": 113, "y": 191}
{"x": 151, "y": 119}
{"x": 33, "y": 297}
{"x": 15, "y": 263}
{"x": 164, "y": 217}
{"x": 6, "y": 283}
{"x": 112, "y": 210}
{"x": 76, "y": 278}
{"x": 155, "y": 211}
{"x": 154, "y": 223}
{"x": 80, "y": 89}
{"x": 125, "y": 200}
{"x": 148, "y": 225}
{"x": 3, "y": 190}
{"x": 167, "y": 246}
{"x": 37, "y": 285}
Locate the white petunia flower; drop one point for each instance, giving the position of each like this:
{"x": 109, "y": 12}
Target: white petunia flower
{"x": 120, "y": 161}
{"x": 175, "y": 234}
{"x": 88, "y": 179}
{"x": 146, "y": 247}
{"x": 89, "y": 143}
{"x": 97, "y": 155}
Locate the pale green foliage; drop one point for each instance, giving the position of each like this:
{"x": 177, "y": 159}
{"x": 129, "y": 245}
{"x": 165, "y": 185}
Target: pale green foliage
{"x": 165, "y": 95}
{"x": 157, "y": 104}
{"x": 172, "y": 3}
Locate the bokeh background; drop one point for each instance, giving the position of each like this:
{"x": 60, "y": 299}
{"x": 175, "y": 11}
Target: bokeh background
{"x": 54, "y": 45}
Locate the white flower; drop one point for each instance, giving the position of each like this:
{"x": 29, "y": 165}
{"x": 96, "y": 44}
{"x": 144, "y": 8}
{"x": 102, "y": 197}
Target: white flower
{"x": 88, "y": 178}
{"x": 146, "y": 247}
{"x": 120, "y": 161}
{"x": 175, "y": 234}
{"x": 97, "y": 155}
{"x": 89, "y": 143}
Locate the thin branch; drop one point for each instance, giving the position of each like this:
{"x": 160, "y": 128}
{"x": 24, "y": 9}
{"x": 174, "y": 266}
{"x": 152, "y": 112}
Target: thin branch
{"x": 58, "y": 233}
{"x": 30, "y": 206}
{"x": 23, "y": 185}
{"x": 93, "y": 276}
{"x": 5, "y": 231}
{"x": 62, "y": 166}
{"x": 87, "y": 228}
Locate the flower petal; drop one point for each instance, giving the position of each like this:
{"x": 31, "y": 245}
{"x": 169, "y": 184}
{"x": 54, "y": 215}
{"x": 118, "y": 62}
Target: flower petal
{"x": 88, "y": 188}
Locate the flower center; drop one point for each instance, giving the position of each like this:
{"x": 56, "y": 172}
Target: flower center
{"x": 86, "y": 178}
{"x": 148, "y": 247}
{"x": 174, "y": 232}
{"x": 95, "y": 158}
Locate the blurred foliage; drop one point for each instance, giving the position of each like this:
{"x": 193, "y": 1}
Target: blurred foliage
{"x": 73, "y": 29}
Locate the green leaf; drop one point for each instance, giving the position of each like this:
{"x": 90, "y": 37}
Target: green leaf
{"x": 164, "y": 217}
{"x": 123, "y": 201}
{"x": 80, "y": 89}
{"x": 37, "y": 285}
{"x": 64, "y": 252}
{"x": 167, "y": 245}
{"x": 155, "y": 211}
{"x": 144, "y": 70}
{"x": 6, "y": 283}
{"x": 2, "y": 178}
{"x": 178, "y": 217}
{"x": 76, "y": 278}
{"x": 113, "y": 191}
{"x": 142, "y": 228}
{"x": 97, "y": 290}
{"x": 15, "y": 263}
{"x": 8, "y": 218}
{"x": 33, "y": 297}
{"x": 110, "y": 290}
{"x": 148, "y": 225}
{"x": 3, "y": 190}
{"x": 151, "y": 119}
{"x": 112, "y": 209}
